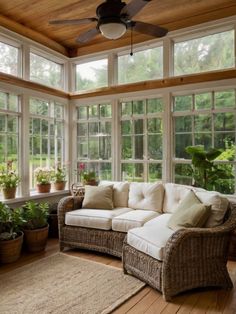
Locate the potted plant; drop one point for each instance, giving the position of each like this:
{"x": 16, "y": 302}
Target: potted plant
{"x": 11, "y": 236}
{"x": 43, "y": 178}
{"x": 9, "y": 180}
{"x": 59, "y": 178}
{"x": 36, "y": 225}
{"x": 87, "y": 177}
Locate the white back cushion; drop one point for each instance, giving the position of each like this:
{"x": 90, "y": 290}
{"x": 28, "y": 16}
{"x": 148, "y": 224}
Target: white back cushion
{"x": 147, "y": 196}
{"x": 120, "y": 192}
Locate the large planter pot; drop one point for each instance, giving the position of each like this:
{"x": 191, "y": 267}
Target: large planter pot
{"x": 58, "y": 186}
{"x": 9, "y": 193}
{"x": 44, "y": 188}
{"x": 36, "y": 240}
{"x": 10, "y": 250}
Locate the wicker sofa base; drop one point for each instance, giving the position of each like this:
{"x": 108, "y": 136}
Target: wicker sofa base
{"x": 104, "y": 241}
{"x": 167, "y": 280}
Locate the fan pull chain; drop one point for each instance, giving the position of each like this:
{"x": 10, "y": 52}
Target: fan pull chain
{"x": 131, "y": 41}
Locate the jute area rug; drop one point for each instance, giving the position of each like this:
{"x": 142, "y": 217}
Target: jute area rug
{"x": 65, "y": 284}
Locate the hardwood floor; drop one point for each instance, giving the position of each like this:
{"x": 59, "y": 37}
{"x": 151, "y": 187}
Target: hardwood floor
{"x": 148, "y": 300}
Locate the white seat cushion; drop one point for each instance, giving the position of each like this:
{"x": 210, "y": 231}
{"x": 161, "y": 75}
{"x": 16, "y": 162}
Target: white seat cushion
{"x": 159, "y": 221}
{"x": 132, "y": 219}
{"x": 120, "y": 192}
{"x": 150, "y": 239}
{"x": 146, "y": 196}
{"x": 93, "y": 218}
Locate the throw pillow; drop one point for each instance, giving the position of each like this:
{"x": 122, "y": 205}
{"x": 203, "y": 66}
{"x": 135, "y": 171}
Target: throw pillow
{"x": 190, "y": 213}
{"x": 98, "y": 197}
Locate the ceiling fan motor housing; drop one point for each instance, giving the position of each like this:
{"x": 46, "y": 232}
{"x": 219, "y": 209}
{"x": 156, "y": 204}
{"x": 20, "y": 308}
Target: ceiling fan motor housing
{"x": 110, "y": 12}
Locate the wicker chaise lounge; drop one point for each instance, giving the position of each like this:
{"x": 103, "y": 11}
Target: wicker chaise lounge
{"x": 193, "y": 258}
{"x": 187, "y": 258}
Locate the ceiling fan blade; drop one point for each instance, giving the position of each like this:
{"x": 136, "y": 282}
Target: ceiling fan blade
{"x": 73, "y": 22}
{"x": 132, "y": 8}
{"x": 83, "y": 38}
{"x": 148, "y": 29}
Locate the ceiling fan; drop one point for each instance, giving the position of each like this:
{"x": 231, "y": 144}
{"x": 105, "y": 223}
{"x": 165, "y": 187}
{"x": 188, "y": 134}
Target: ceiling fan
{"x": 114, "y": 17}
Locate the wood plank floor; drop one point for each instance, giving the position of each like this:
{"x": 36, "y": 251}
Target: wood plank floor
{"x": 149, "y": 300}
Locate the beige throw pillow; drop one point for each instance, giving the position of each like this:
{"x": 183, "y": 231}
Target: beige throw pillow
{"x": 98, "y": 197}
{"x": 189, "y": 213}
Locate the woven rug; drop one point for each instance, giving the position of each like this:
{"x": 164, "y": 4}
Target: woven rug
{"x": 65, "y": 284}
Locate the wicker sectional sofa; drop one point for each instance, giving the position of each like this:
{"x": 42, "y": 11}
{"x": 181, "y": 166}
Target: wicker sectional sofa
{"x": 136, "y": 229}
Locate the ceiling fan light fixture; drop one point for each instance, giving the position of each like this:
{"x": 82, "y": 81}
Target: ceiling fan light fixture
{"x": 112, "y": 29}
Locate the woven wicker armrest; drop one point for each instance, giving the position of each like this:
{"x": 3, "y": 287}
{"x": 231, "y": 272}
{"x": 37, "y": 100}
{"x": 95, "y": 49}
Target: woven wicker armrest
{"x": 67, "y": 204}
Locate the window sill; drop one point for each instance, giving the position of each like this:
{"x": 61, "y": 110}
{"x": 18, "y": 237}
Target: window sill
{"x": 34, "y": 195}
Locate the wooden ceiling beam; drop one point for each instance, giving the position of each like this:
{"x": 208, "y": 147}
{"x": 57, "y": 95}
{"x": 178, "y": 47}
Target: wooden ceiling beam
{"x": 32, "y": 34}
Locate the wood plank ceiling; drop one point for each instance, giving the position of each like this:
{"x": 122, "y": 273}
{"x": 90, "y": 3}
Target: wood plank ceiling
{"x": 30, "y": 18}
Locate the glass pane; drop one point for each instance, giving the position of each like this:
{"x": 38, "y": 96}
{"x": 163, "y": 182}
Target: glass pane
{"x": 154, "y": 105}
{"x": 2, "y": 148}
{"x": 154, "y": 125}
{"x": 155, "y": 147}
{"x": 13, "y": 102}
{"x": 82, "y": 129}
{"x": 12, "y": 147}
{"x": 58, "y": 114}
{"x": 154, "y": 172}
{"x": 59, "y": 129}
{"x": 105, "y": 111}
{"x": 82, "y": 148}
{"x": 2, "y": 123}
{"x": 44, "y": 148}
{"x": 39, "y": 107}
{"x": 93, "y": 111}
{"x": 183, "y": 174}
{"x": 138, "y": 126}
{"x": 138, "y": 173}
{"x": 52, "y": 147}
{"x": 138, "y": 107}
{"x": 45, "y": 71}
{"x": 181, "y": 142}
{"x": 105, "y": 128}
{"x": 92, "y": 74}
{"x": 105, "y": 147}
{"x": 36, "y": 126}
{"x": 143, "y": 65}
{"x": 202, "y": 123}
{"x": 183, "y": 124}
{"x": 183, "y": 103}
{"x": 225, "y": 99}
{"x": 223, "y": 140}
{"x": 204, "y": 139}
{"x": 93, "y": 128}
{"x": 203, "y": 101}
{"x": 45, "y": 127}
{"x": 93, "y": 148}
{"x": 82, "y": 113}
{"x": 204, "y": 53}
{"x": 105, "y": 171}
{"x": 3, "y": 100}
{"x": 12, "y": 124}
{"x": 127, "y": 171}
{"x": 224, "y": 121}
{"x": 138, "y": 147}
{"x": 126, "y": 144}
{"x": 126, "y": 127}
{"x": 9, "y": 59}
{"x": 126, "y": 108}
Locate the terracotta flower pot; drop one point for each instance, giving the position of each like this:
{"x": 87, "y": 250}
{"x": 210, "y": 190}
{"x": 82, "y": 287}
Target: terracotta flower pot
{"x": 36, "y": 240}
{"x": 9, "y": 193}
{"x": 10, "y": 250}
{"x": 90, "y": 182}
{"x": 44, "y": 188}
{"x": 60, "y": 185}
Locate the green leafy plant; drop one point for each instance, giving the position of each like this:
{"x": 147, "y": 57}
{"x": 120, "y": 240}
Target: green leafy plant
{"x": 205, "y": 172}
{"x": 86, "y": 176}
{"x": 8, "y": 176}
{"x": 59, "y": 174}
{"x": 35, "y": 215}
{"x": 11, "y": 221}
{"x": 43, "y": 175}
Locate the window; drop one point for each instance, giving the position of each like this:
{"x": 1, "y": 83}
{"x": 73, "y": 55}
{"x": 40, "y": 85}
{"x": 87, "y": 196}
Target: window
{"x": 45, "y": 71}
{"x": 208, "y": 53}
{"x": 91, "y": 75}
{"x": 10, "y": 118}
{"x": 206, "y": 119}
{"x": 143, "y": 65}
{"x": 46, "y": 135}
{"x": 9, "y": 56}
{"x": 94, "y": 134}
{"x": 141, "y": 139}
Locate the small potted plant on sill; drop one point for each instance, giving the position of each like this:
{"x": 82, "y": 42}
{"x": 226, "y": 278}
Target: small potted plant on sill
{"x": 43, "y": 178}
{"x": 9, "y": 180}
{"x": 36, "y": 225}
{"x": 59, "y": 178}
{"x": 87, "y": 177}
{"x": 11, "y": 236}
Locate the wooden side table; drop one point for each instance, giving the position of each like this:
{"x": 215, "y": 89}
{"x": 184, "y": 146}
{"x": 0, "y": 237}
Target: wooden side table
{"x": 232, "y": 246}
